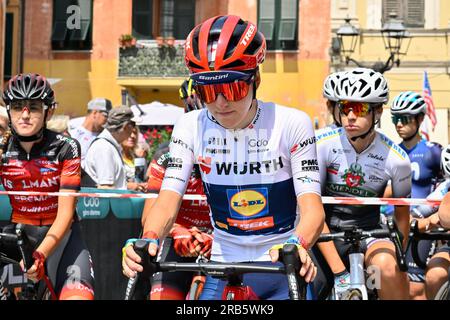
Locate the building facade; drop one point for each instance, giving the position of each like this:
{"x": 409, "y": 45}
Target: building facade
{"x": 428, "y": 23}
{"x": 75, "y": 43}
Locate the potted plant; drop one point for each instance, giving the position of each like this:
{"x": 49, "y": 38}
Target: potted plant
{"x": 127, "y": 41}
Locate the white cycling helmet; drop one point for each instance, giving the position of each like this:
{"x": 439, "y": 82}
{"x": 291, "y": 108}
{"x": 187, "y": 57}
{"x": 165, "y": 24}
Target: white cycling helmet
{"x": 408, "y": 102}
{"x": 445, "y": 160}
{"x": 330, "y": 84}
{"x": 363, "y": 85}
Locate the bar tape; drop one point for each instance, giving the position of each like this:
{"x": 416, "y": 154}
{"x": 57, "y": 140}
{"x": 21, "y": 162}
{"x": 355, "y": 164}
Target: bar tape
{"x": 325, "y": 200}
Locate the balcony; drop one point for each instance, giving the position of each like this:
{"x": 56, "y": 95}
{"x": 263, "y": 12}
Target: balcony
{"x": 152, "y": 61}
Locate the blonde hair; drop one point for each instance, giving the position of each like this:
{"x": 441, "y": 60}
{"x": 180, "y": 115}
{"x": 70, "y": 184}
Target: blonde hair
{"x": 58, "y": 123}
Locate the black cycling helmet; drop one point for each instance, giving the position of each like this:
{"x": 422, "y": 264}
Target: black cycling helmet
{"x": 190, "y": 99}
{"x": 29, "y": 86}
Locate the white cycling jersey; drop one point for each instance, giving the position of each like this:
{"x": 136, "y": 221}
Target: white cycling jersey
{"x": 344, "y": 172}
{"x": 252, "y": 177}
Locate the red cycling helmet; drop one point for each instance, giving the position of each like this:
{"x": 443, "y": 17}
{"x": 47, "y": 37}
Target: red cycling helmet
{"x": 224, "y": 43}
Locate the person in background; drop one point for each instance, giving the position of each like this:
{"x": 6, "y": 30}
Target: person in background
{"x": 96, "y": 117}
{"x": 128, "y": 156}
{"x": 59, "y": 124}
{"x": 3, "y": 121}
{"x": 328, "y": 92}
{"x": 103, "y": 165}
{"x": 141, "y": 160}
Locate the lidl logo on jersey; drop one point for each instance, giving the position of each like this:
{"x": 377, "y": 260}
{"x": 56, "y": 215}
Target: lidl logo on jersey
{"x": 354, "y": 176}
{"x": 248, "y": 203}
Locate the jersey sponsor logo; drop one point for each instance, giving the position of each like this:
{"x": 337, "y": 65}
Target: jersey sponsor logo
{"x": 218, "y": 151}
{"x": 258, "y": 143}
{"x": 251, "y": 167}
{"x": 376, "y": 179}
{"x": 205, "y": 164}
{"x": 258, "y": 113}
{"x": 180, "y": 142}
{"x": 310, "y": 165}
{"x": 334, "y": 188}
{"x": 47, "y": 170}
{"x": 340, "y": 151}
{"x": 163, "y": 159}
{"x": 217, "y": 141}
{"x": 311, "y": 140}
{"x": 294, "y": 148}
{"x": 248, "y": 203}
{"x": 354, "y": 176}
{"x": 306, "y": 179}
{"x": 252, "y": 224}
{"x": 176, "y": 163}
{"x": 46, "y": 183}
{"x": 375, "y": 156}
{"x": 175, "y": 178}
{"x": 333, "y": 168}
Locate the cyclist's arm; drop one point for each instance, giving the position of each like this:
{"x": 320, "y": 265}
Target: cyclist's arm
{"x": 444, "y": 211}
{"x": 312, "y": 217}
{"x": 62, "y": 223}
{"x": 330, "y": 253}
{"x": 401, "y": 188}
{"x": 161, "y": 215}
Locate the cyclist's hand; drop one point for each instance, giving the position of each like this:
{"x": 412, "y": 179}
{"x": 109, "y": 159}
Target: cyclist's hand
{"x": 131, "y": 260}
{"x": 204, "y": 241}
{"x": 341, "y": 283}
{"x": 184, "y": 242}
{"x": 37, "y": 270}
{"x": 434, "y": 221}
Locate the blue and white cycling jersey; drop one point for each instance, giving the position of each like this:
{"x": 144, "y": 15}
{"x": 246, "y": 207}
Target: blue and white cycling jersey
{"x": 425, "y": 160}
{"x": 252, "y": 177}
{"x": 424, "y": 211}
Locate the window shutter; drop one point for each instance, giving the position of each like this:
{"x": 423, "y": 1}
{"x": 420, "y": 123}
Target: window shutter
{"x": 393, "y": 6}
{"x": 266, "y": 22}
{"x": 184, "y": 18}
{"x": 415, "y": 13}
{"x": 287, "y": 32}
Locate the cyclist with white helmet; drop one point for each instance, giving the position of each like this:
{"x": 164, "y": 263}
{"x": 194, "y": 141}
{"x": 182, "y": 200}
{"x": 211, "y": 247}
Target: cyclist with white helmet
{"x": 408, "y": 111}
{"x": 356, "y": 160}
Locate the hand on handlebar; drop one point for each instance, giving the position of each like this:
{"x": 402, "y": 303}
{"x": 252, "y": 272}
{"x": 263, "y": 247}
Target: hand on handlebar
{"x": 37, "y": 271}
{"x": 308, "y": 270}
{"x": 131, "y": 261}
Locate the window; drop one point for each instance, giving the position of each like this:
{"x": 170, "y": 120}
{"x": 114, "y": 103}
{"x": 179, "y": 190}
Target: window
{"x": 278, "y": 21}
{"x": 72, "y": 25}
{"x": 412, "y": 12}
{"x": 166, "y": 18}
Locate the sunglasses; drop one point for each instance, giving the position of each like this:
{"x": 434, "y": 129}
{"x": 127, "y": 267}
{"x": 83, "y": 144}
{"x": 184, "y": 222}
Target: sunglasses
{"x": 233, "y": 85}
{"x": 360, "y": 109}
{"x": 33, "y": 107}
{"x": 404, "y": 119}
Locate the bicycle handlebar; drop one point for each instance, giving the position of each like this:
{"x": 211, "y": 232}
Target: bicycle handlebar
{"x": 288, "y": 256}
{"x": 22, "y": 242}
{"x": 353, "y": 234}
{"x": 415, "y": 236}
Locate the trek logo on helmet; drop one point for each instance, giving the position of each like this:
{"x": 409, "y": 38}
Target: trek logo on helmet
{"x": 248, "y": 35}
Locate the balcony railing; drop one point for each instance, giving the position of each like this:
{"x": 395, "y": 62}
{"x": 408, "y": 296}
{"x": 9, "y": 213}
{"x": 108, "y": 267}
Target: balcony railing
{"x": 152, "y": 62}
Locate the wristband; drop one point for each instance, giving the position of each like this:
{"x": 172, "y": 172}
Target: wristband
{"x": 299, "y": 240}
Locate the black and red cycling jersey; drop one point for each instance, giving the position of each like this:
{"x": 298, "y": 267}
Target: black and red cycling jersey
{"x": 52, "y": 164}
{"x": 192, "y": 213}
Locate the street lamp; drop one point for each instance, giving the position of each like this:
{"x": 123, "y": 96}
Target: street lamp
{"x": 393, "y": 34}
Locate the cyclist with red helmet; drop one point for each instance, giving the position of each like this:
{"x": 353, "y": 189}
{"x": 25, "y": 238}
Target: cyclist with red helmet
{"x": 257, "y": 160}
{"x": 36, "y": 159}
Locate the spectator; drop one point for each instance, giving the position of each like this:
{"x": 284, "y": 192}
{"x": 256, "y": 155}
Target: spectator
{"x": 4, "y": 121}
{"x": 59, "y": 124}
{"x": 129, "y": 157}
{"x": 97, "y": 114}
{"x": 103, "y": 163}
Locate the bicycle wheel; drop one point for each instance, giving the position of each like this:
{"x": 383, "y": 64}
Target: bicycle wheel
{"x": 443, "y": 293}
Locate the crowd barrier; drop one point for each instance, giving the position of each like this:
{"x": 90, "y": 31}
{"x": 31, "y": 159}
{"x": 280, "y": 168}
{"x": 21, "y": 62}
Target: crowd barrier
{"x": 109, "y": 217}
